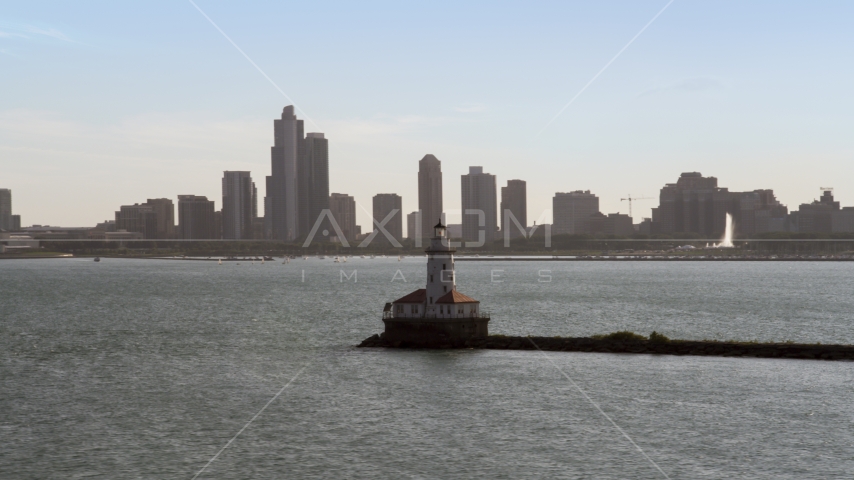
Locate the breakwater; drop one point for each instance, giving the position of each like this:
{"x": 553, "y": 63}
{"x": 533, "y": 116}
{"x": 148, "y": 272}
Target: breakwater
{"x": 619, "y": 343}
{"x": 664, "y": 258}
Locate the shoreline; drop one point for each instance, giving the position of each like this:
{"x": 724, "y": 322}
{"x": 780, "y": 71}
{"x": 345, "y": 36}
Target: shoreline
{"x": 642, "y": 346}
{"x": 662, "y": 258}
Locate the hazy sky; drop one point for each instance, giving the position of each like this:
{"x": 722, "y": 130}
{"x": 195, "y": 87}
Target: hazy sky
{"x": 109, "y": 103}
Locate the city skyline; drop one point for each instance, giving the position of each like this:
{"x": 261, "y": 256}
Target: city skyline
{"x": 685, "y": 96}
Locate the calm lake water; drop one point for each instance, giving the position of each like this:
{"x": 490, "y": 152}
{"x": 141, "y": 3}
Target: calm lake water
{"x": 147, "y": 368}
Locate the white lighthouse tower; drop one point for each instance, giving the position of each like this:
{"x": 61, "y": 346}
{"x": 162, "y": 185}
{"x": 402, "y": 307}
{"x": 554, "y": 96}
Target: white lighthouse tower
{"x": 437, "y": 315}
{"x": 440, "y": 268}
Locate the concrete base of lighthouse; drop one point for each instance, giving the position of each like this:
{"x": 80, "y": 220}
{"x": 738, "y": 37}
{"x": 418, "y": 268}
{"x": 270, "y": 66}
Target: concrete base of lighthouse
{"x": 434, "y": 332}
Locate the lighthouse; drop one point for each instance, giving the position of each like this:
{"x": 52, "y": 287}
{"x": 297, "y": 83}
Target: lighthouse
{"x": 437, "y": 315}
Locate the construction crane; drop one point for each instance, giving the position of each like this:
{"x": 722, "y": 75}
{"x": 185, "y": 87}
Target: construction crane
{"x": 631, "y": 199}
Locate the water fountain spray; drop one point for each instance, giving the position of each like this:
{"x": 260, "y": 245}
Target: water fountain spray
{"x": 727, "y": 240}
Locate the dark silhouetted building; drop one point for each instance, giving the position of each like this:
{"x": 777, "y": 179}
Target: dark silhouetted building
{"x": 5, "y": 209}
{"x": 413, "y": 225}
{"x": 429, "y": 194}
{"x": 343, "y": 209}
{"x": 572, "y": 211}
{"x": 106, "y": 226}
{"x": 386, "y": 204}
{"x": 287, "y": 150}
{"x": 696, "y": 204}
{"x": 196, "y": 218}
{"x": 217, "y": 225}
{"x": 314, "y": 181}
{"x": 164, "y": 209}
{"x": 612, "y": 224}
{"x": 237, "y": 206}
{"x": 479, "y": 205}
{"x": 514, "y": 201}
{"x": 817, "y": 217}
{"x": 138, "y": 218}
{"x": 268, "y": 209}
{"x": 843, "y": 220}
{"x": 16, "y": 223}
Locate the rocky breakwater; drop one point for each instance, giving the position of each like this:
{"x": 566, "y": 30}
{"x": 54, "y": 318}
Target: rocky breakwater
{"x": 628, "y": 342}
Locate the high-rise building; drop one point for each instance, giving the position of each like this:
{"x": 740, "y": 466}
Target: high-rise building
{"x": 217, "y": 231}
{"x": 285, "y": 157}
{"x": 254, "y": 202}
{"x": 268, "y": 209}
{"x": 343, "y": 209}
{"x": 817, "y": 217}
{"x": 314, "y": 181}
{"x": 843, "y": 220}
{"x": 696, "y": 204}
{"x": 195, "y": 217}
{"x": 429, "y": 193}
{"x": 413, "y": 225}
{"x": 514, "y": 199}
{"x": 5, "y": 209}
{"x": 386, "y": 204}
{"x": 16, "y": 223}
{"x": 139, "y": 218}
{"x": 165, "y": 211}
{"x": 572, "y": 211}
{"x": 479, "y": 202}
{"x": 237, "y": 208}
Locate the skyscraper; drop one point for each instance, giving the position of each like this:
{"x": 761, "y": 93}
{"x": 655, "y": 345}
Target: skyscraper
{"x": 413, "y": 222}
{"x": 480, "y": 218}
{"x": 697, "y": 204}
{"x": 137, "y": 218}
{"x": 314, "y": 181}
{"x": 165, "y": 211}
{"x": 268, "y": 209}
{"x": 429, "y": 193}
{"x": 284, "y": 157}
{"x": 572, "y": 211}
{"x": 217, "y": 230}
{"x": 343, "y": 209}
{"x": 237, "y": 205}
{"x": 195, "y": 217}
{"x": 5, "y": 209}
{"x": 514, "y": 199}
{"x": 254, "y": 202}
{"x": 384, "y": 205}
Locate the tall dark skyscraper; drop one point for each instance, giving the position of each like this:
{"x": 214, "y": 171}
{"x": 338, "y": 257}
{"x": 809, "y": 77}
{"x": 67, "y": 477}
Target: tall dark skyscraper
{"x": 514, "y": 198}
{"x": 5, "y": 209}
{"x": 384, "y": 204}
{"x": 237, "y": 199}
{"x": 429, "y": 194}
{"x": 314, "y": 180}
{"x": 285, "y": 158}
{"x": 479, "y": 194}
{"x": 195, "y": 217}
